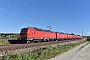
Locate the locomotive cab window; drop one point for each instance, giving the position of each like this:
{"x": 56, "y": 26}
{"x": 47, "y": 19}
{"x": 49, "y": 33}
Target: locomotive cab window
{"x": 23, "y": 30}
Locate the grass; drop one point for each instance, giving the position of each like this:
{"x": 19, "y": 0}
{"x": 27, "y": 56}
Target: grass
{"x": 42, "y": 54}
{"x": 3, "y": 41}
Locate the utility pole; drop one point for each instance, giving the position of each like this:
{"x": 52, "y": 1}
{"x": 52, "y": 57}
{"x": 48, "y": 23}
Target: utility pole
{"x": 66, "y": 34}
{"x": 65, "y": 31}
{"x": 85, "y": 35}
{"x": 82, "y": 32}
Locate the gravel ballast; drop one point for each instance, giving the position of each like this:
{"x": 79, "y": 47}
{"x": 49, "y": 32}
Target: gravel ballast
{"x": 81, "y": 52}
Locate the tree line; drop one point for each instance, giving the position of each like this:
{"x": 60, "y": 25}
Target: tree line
{"x": 9, "y": 35}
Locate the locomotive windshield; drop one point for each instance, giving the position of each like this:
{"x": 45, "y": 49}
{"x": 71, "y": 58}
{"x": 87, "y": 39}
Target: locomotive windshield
{"x": 23, "y": 30}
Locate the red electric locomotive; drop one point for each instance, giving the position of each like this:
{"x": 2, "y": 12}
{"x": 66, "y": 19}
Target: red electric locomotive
{"x": 35, "y": 34}
{"x": 31, "y": 34}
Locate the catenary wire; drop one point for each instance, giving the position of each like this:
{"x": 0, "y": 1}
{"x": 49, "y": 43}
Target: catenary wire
{"x": 29, "y": 10}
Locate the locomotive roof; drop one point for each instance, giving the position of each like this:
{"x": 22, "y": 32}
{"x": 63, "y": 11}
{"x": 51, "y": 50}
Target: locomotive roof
{"x": 39, "y": 29}
{"x": 66, "y": 33}
{"x": 43, "y": 30}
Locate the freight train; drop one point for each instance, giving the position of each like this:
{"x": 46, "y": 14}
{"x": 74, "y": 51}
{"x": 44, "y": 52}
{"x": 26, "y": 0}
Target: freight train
{"x": 31, "y": 34}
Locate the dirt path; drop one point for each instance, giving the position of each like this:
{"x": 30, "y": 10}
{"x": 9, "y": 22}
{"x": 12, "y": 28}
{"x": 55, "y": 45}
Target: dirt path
{"x": 81, "y": 52}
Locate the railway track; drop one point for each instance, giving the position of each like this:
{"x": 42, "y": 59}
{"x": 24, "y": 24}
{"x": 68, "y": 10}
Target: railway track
{"x": 21, "y": 46}
{"x": 27, "y": 48}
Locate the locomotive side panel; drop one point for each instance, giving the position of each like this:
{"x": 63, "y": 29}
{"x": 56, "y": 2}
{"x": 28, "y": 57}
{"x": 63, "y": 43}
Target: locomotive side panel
{"x": 34, "y": 34}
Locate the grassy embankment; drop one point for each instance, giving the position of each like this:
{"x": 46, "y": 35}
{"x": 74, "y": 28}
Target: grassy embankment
{"x": 42, "y": 54}
{"x": 3, "y": 41}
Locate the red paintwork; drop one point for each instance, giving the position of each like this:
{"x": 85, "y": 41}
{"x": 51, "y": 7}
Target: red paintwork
{"x": 61, "y": 36}
{"x": 33, "y": 33}
{"x": 42, "y": 34}
{"x": 67, "y": 36}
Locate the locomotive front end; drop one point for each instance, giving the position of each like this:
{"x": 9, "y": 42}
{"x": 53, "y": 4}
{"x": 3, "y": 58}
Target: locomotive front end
{"x": 24, "y": 34}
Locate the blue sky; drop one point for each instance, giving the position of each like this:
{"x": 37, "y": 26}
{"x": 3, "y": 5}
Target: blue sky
{"x": 70, "y": 15}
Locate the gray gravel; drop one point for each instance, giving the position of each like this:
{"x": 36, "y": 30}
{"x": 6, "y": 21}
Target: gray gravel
{"x": 81, "y": 52}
